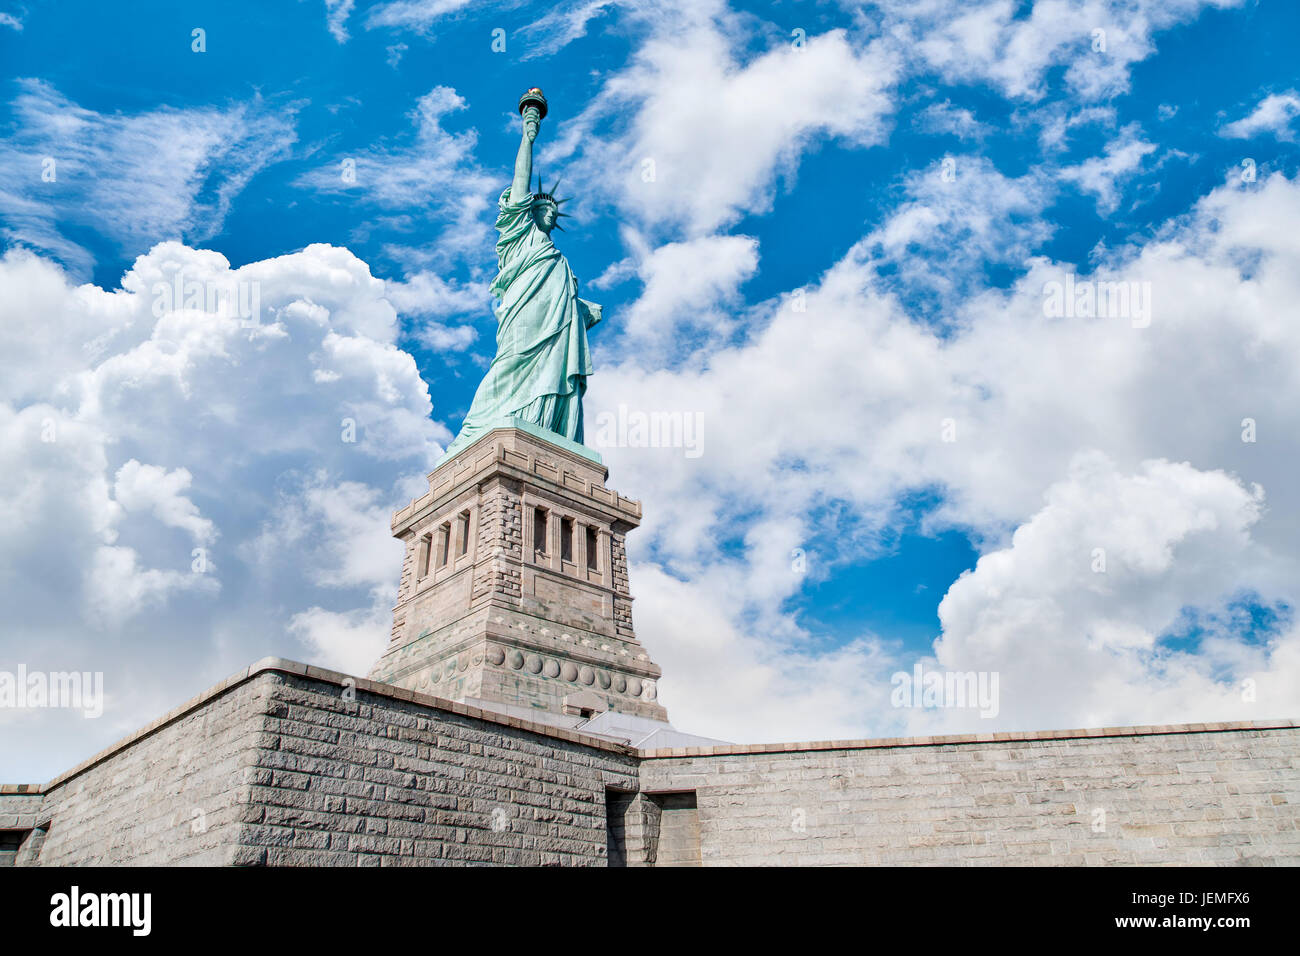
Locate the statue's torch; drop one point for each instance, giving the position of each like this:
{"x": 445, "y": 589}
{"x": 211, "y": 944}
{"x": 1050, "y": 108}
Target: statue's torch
{"x": 532, "y": 107}
{"x": 535, "y": 99}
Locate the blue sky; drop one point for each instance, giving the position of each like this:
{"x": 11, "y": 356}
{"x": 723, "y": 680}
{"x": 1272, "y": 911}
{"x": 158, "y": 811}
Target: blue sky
{"x": 912, "y": 175}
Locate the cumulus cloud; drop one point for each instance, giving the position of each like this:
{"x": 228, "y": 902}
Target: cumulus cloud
{"x": 685, "y": 286}
{"x": 1071, "y": 613}
{"x": 437, "y": 302}
{"x": 340, "y": 531}
{"x": 1088, "y": 433}
{"x": 118, "y": 588}
{"x": 191, "y": 488}
{"x": 709, "y": 131}
{"x": 281, "y": 441}
{"x": 814, "y": 437}
{"x": 1056, "y": 121}
{"x": 350, "y": 641}
{"x": 140, "y": 487}
{"x": 958, "y": 216}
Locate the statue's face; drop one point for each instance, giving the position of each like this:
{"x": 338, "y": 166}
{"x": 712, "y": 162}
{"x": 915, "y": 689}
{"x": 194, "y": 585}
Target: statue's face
{"x": 544, "y": 214}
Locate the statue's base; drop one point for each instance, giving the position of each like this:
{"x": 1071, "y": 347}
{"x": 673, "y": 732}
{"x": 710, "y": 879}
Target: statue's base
{"x": 537, "y": 431}
{"x": 514, "y": 589}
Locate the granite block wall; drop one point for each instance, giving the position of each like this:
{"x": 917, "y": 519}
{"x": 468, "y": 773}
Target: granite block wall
{"x": 20, "y": 815}
{"x": 275, "y": 767}
{"x": 1115, "y": 798}
{"x": 172, "y": 796}
{"x": 19, "y": 810}
{"x": 284, "y": 764}
{"x": 379, "y": 780}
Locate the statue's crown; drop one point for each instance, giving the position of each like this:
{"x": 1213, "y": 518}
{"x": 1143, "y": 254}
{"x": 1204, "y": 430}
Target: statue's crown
{"x": 540, "y": 195}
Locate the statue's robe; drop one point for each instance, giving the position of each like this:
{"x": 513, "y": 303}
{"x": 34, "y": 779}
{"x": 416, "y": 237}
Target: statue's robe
{"x": 542, "y": 361}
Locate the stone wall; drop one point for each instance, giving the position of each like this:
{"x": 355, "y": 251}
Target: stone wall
{"x": 20, "y": 808}
{"x": 20, "y": 815}
{"x": 284, "y": 764}
{"x": 381, "y": 780}
{"x": 170, "y": 794}
{"x": 1173, "y": 795}
{"x": 288, "y": 765}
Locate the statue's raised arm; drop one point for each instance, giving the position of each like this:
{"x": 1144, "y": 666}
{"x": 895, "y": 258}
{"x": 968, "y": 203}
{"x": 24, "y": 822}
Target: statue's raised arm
{"x": 531, "y": 115}
{"x": 542, "y": 360}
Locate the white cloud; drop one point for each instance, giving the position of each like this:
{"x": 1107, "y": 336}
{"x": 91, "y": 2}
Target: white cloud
{"x": 1014, "y": 46}
{"x": 432, "y": 303}
{"x": 435, "y": 174}
{"x": 446, "y": 338}
{"x": 561, "y": 25}
{"x": 1057, "y": 120}
{"x": 687, "y": 285}
{"x": 724, "y": 680}
{"x": 709, "y": 132}
{"x": 340, "y": 531}
{"x": 118, "y": 588}
{"x": 1273, "y": 114}
{"x": 336, "y": 18}
{"x": 959, "y": 214}
{"x": 1102, "y": 175}
{"x": 134, "y": 429}
{"x": 167, "y": 173}
{"x": 428, "y": 293}
{"x": 418, "y": 15}
{"x": 1069, "y": 613}
{"x": 954, "y": 120}
{"x": 347, "y": 641}
{"x": 140, "y": 487}
{"x": 821, "y": 421}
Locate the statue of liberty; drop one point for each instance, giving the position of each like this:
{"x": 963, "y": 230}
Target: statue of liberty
{"x": 542, "y": 360}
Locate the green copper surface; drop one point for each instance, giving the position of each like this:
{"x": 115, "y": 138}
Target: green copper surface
{"x": 542, "y": 359}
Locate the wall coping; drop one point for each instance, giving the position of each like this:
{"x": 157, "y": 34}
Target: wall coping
{"x": 284, "y": 666}
{"x": 881, "y": 743}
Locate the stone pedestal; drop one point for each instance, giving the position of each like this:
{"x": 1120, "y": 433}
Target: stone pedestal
{"x": 514, "y": 587}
